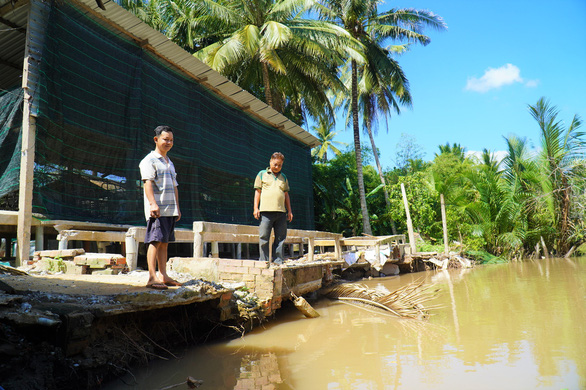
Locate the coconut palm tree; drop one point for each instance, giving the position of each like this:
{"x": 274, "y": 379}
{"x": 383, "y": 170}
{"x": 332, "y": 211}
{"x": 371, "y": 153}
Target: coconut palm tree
{"x": 378, "y": 95}
{"x": 266, "y": 47}
{"x": 149, "y": 12}
{"x": 454, "y": 149}
{"x": 360, "y": 18}
{"x": 326, "y": 137}
{"x": 562, "y": 155}
{"x": 268, "y": 43}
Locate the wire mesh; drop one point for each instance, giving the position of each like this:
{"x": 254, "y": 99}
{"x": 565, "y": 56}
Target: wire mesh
{"x": 100, "y": 97}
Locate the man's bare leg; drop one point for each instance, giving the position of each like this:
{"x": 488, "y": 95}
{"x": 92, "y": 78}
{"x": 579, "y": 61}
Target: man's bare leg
{"x": 162, "y": 262}
{"x": 152, "y": 255}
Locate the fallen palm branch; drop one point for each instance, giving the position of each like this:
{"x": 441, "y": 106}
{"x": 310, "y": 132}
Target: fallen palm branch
{"x": 5, "y": 269}
{"x": 405, "y": 302}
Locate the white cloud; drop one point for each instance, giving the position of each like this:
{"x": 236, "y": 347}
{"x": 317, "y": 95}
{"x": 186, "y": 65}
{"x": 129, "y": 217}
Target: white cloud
{"x": 496, "y": 78}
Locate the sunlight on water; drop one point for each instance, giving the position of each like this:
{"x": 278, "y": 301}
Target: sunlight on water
{"x": 511, "y": 326}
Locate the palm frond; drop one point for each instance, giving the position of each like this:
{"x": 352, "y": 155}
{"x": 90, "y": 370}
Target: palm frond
{"x": 405, "y": 302}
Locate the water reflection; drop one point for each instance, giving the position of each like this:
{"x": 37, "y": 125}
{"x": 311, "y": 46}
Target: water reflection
{"x": 512, "y": 326}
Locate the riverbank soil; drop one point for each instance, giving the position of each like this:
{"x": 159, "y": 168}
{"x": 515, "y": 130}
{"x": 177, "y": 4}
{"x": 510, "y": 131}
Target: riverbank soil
{"x": 77, "y": 331}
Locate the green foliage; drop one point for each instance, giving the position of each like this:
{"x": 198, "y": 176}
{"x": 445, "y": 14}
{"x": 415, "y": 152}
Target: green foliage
{"x": 56, "y": 265}
{"x": 423, "y": 205}
{"x": 494, "y": 210}
{"x": 336, "y": 198}
{"x": 483, "y": 257}
{"x": 427, "y": 247}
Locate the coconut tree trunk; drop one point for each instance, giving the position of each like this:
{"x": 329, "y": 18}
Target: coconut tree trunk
{"x": 380, "y": 174}
{"x": 565, "y": 216}
{"x": 267, "y": 84}
{"x": 357, "y": 149}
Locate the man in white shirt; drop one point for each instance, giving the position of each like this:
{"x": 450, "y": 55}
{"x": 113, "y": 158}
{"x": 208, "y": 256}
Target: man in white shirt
{"x": 161, "y": 206}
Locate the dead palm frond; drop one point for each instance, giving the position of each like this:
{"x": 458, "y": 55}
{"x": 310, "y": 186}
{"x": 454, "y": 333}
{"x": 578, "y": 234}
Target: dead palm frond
{"x": 5, "y": 269}
{"x": 405, "y": 302}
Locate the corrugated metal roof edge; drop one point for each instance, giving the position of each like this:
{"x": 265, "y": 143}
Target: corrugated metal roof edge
{"x": 123, "y": 20}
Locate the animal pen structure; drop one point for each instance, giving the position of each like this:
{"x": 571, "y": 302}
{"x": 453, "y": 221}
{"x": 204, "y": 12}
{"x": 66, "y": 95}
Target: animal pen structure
{"x": 81, "y": 90}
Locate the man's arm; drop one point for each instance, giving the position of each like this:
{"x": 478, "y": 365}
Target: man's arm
{"x": 256, "y": 212}
{"x": 150, "y": 194}
{"x": 177, "y": 202}
{"x": 288, "y": 205}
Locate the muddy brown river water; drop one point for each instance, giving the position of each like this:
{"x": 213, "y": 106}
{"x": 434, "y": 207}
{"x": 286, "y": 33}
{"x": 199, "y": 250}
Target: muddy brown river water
{"x": 511, "y": 326}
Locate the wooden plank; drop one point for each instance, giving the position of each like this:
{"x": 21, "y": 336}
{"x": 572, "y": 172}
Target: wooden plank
{"x": 86, "y": 235}
{"x": 81, "y": 225}
{"x": 9, "y": 218}
{"x": 241, "y": 238}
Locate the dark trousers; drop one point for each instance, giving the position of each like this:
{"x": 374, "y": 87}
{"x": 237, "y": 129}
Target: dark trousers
{"x": 270, "y": 220}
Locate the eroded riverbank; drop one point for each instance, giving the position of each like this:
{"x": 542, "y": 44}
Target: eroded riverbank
{"x": 509, "y": 326}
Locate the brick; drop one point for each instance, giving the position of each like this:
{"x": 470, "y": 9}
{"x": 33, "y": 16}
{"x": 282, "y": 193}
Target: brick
{"x": 249, "y": 263}
{"x": 246, "y": 383}
{"x": 248, "y": 278}
{"x": 254, "y": 271}
{"x": 269, "y": 272}
{"x": 235, "y": 263}
{"x": 266, "y": 280}
{"x": 261, "y": 264}
{"x": 74, "y": 269}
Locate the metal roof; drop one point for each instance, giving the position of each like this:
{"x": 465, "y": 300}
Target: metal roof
{"x": 13, "y": 22}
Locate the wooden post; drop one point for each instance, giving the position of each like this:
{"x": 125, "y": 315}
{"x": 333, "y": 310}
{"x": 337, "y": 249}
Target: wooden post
{"x": 409, "y": 223}
{"x": 338, "y": 249}
{"x": 27, "y": 163}
{"x": 198, "y": 245}
{"x": 62, "y": 237}
{"x": 25, "y": 197}
{"x": 131, "y": 249}
{"x": 445, "y": 225}
{"x": 63, "y": 243}
{"x": 215, "y": 249}
{"x": 39, "y": 238}
{"x": 310, "y": 248}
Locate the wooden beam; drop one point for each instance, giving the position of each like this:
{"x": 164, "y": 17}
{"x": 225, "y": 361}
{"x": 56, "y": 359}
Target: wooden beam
{"x": 27, "y": 164}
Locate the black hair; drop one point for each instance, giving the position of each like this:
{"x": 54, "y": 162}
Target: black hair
{"x": 160, "y": 129}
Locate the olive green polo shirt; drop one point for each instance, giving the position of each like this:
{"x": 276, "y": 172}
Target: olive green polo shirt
{"x": 272, "y": 190}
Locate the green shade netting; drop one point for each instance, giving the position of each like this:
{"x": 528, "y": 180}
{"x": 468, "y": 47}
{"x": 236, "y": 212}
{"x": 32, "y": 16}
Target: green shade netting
{"x": 101, "y": 96}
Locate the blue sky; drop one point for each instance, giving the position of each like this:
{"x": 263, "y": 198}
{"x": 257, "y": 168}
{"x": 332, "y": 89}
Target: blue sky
{"x": 472, "y": 84}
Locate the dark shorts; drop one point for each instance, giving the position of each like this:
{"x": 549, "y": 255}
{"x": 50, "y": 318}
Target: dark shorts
{"x": 160, "y": 229}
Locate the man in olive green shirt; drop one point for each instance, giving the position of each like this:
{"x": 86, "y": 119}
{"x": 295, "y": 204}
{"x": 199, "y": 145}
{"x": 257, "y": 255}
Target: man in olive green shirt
{"x": 272, "y": 206}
